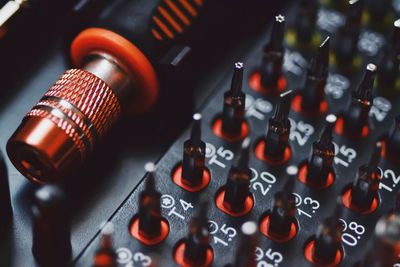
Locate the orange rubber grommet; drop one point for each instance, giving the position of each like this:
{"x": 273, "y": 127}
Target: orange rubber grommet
{"x": 217, "y": 129}
{"x": 339, "y": 128}
{"x": 296, "y": 106}
{"x": 219, "y": 202}
{"x": 346, "y": 199}
{"x": 255, "y": 84}
{"x": 259, "y": 152}
{"x": 134, "y": 231}
{"x": 309, "y": 255}
{"x": 264, "y": 229}
{"x": 136, "y": 63}
{"x": 177, "y": 179}
{"x": 302, "y": 176}
{"x": 180, "y": 258}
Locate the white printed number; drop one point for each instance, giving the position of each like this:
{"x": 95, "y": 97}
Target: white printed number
{"x": 380, "y": 108}
{"x": 264, "y": 184}
{"x": 126, "y": 258}
{"x": 228, "y": 233}
{"x": 268, "y": 258}
{"x": 218, "y": 156}
{"x": 330, "y": 20}
{"x": 168, "y": 202}
{"x": 300, "y": 131}
{"x": 352, "y": 233}
{"x": 344, "y": 155}
{"x": 391, "y": 178}
{"x": 294, "y": 62}
{"x": 370, "y": 43}
{"x": 257, "y": 108}
{"x": 309, "y": 205}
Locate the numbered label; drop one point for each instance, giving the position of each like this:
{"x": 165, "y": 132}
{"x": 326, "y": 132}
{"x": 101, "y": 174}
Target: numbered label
{"x": 380, "y": 108}
{"x": 218, "y": 156}
{"x": 390, "y": 180}
{"x": 300, "y": 132}
{"x": 223, "y": 234}
{"x": 262, "y": 182}
{"x": 257, "y": 107}
{"x": 126, "y": 258}
{"x": 370, "y": 43}
{"x": 268, "y": 258}
{"x": 352, "y": 233}
{"x": 175, "y": 210}
{"x": 344, "y": 155}
{"x": 307, "y": 206}
{"x": 330, "y": 20}
{"x": 294, "y": 62}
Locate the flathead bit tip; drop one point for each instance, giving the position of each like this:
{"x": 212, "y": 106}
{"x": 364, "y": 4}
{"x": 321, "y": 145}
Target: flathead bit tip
{"x": 323, "y": 50}
{"x": 320, "y": 62}
{"x": 326, "y": 42}
{"x": 283, "y": 108}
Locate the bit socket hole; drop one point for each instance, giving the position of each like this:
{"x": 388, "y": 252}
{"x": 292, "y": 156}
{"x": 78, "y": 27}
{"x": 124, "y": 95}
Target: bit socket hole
{"x": 32, "y": 164}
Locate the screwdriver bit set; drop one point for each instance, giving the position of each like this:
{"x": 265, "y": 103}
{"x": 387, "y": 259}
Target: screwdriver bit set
{"x": 291, "y": 162}
{"x": 292, "y": 159}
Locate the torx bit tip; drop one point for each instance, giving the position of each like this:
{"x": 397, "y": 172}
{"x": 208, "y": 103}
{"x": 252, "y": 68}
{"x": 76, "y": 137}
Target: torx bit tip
{"x": 237, "y": 79}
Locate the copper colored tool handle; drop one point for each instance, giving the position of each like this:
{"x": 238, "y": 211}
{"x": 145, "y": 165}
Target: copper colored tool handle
{"x": 77, "y": 111}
